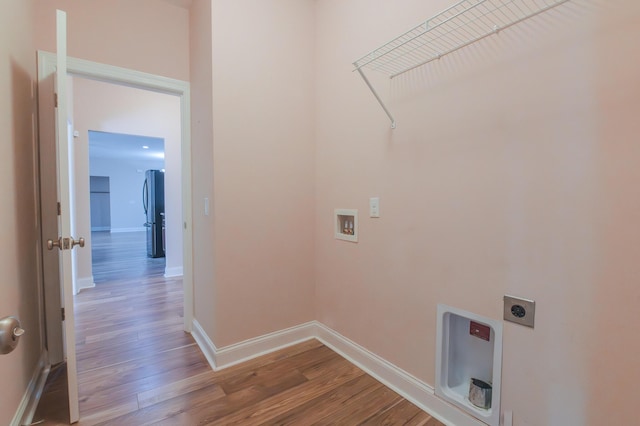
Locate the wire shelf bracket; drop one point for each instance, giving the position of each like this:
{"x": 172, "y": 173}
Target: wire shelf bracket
{"x": 464, "y": 23}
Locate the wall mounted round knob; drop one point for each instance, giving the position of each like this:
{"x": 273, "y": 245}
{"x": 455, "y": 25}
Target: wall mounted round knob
{"x": 10, "y": 332}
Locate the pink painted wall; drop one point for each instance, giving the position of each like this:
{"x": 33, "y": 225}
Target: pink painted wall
{"x": 145, "y": 35}
{"x": 202, "y": 153}
{"x": 263, "y": 166}
{"x": 511, "y": 171}
{"x": 18, "y": 233}
{"x": 614, "y": 337}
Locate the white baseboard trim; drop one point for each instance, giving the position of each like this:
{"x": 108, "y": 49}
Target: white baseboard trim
{"x": 173, "y": 272}
{"x": 84, "y": 283}
{"x": 117, "y": 230}
{"x": 204, "y": 342}
{"x": 243, "y": 351}
{"x": 29, "y": 403}
{"x": 252, "y": 348}
{"x": 408, "y": 386}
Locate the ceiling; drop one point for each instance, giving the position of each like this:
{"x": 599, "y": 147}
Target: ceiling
{"x": 124, "y": 147}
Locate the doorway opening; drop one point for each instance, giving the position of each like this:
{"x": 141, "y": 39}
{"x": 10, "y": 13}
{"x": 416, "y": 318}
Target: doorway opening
{"x": 127, "y": 204}
{"x": 131, "y": 138}
{"x": 117, "y": 77}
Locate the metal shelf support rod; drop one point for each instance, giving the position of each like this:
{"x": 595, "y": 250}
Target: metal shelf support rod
{"x": 366, "y": 80}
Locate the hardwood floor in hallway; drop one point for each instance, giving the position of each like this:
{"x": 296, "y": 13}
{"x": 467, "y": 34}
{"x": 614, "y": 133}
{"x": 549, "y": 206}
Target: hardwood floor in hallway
{"x": 122, "y": 255}
{"x": 136, "y": 366}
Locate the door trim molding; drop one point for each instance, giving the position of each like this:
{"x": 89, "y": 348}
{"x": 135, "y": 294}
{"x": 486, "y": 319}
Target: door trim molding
{"x": 170, "y": 86}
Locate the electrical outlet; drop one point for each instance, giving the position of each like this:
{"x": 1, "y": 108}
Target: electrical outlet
{"x": 519, "y": 310}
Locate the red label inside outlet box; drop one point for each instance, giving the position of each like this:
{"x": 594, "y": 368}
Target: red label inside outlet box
{"x": 481, "y": 331}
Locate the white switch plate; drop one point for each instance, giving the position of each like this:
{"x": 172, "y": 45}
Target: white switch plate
{"x": 206, "y": 206}
{"x": 374, "y": 207}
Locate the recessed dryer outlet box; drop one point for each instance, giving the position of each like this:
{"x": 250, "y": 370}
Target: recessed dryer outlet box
{"x": 346, "y": 225}
{"x": 468, "y": 347}
{"x": 519, "y": 310}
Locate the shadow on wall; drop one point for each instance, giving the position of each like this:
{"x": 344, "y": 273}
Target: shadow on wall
{"x": 25, "y": 158}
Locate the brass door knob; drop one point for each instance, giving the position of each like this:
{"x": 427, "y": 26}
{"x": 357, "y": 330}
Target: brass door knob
{"x": 54, "y": 243}
{"x": 79, "y": 242}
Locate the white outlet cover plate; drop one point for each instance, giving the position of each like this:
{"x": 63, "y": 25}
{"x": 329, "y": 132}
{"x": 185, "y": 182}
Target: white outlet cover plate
{"x": 374, "y": 207}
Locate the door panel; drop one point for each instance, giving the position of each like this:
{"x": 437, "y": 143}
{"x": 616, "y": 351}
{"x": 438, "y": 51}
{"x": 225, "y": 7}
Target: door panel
{"x": 49, "y": 208}
{"x": 56, "y": 210}
{"x": 64, "y": 196}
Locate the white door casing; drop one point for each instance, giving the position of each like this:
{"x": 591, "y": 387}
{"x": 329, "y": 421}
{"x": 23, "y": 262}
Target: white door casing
{"x": 169, "y": 86}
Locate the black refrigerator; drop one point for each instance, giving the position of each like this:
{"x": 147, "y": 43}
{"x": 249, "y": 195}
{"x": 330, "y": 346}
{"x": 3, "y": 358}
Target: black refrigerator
{"x": 153, "y": 203}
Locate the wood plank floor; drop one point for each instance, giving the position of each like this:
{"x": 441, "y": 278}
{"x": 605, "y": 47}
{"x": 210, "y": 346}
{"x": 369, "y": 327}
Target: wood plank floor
{"x": 137, "y": 367}
{"x": 123, "y": 254}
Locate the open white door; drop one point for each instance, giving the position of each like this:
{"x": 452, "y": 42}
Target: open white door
{"x": 56, "y": 211}
{"x": 66, "y": 242}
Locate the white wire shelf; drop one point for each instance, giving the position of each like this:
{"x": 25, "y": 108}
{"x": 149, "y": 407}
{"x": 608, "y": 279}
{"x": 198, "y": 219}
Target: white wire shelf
{"x": 458, "y": 26}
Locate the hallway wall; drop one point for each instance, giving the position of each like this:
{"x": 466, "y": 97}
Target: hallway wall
{"x": 127, "y": 178}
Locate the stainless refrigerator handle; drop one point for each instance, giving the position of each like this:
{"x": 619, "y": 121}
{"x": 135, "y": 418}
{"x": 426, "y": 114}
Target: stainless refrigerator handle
{"x": 145, "y": 197}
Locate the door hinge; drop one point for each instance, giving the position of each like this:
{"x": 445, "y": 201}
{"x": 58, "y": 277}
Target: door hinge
{"x": 59, "y": 209}
{"x": 63, "y": 316}
{"x": 55, "y": 100}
